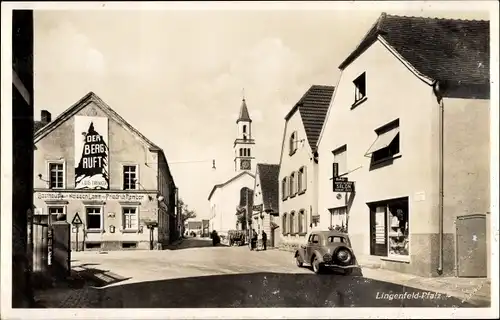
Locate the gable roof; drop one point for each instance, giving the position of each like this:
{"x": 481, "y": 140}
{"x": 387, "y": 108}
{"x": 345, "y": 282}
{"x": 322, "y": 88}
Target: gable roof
{"x": 244, "y": 115}
{"x": 448, "y": 50}
{"x": 313, "y": 107}
{"x": 269, "y": 176}
{"x": 220, "y": 185}
{"x": 82, "y": 103}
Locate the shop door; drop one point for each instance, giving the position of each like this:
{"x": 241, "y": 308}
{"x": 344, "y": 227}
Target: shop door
{"x": 471, "y": 246}
{"x": 378, "y": 231}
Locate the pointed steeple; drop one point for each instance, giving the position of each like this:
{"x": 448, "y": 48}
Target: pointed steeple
{"x": 244, "y": 115}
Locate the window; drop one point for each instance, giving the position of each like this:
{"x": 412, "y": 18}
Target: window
{"x": 284, "y": 226}
{"x": 302, "y": 180}
{"x": 315, "y": 221}
{"x": 334, "y": 239}
{"x": 56, "y": 177}
{"x": 249, "y": 152}
{"x": 284, "y": 188}
{"x": 129, "y": 177}
{"x": 386, "y": 146}
{"x": 302, "y": 222}
{"x": 94, "y": 218}
{"x": 360, "y": 87}
{"x": 292, "y": 223}
{"x": 244, "y": 129}
{"x": 292, "y": 184}
{"x": 338, "y": 218}
{"x": 241, "y": 152}
{"x": 293, "y": 142}
{"x": 389, "y": 224}
{"x": 340, "y": 158}
{"x": 314, "y": 238}
{"x": 57, "y": 212}
{"x": 130, "y": 219}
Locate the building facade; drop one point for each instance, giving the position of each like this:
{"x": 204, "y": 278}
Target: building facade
{"x": 298, "y": 165}
{"x": 383, "y": 133}
{"x": 92, "y": 167}
{"x": 265, "y": 211}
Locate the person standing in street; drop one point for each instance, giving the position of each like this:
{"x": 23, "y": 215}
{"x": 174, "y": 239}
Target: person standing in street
{"x": 264, "y": 240}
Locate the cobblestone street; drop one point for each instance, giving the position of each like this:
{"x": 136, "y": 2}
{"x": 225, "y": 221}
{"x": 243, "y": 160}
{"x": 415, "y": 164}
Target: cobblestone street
{"x": 195, "y": 274}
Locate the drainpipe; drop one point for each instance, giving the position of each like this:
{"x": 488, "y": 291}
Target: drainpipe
{"x": 437, "y": 86}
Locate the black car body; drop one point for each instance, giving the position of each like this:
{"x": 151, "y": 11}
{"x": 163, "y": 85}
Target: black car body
{"x": 327, "y": 249}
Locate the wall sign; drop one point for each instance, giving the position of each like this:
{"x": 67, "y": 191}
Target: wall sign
{"x": 91, "y": 153}
{"x": 90, "y": 196}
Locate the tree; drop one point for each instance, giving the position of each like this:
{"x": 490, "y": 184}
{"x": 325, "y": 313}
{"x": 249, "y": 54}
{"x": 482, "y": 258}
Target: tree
{"x": 186, "y": 213}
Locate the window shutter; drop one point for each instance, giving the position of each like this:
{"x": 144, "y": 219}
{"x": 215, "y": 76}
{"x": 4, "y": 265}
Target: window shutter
{"x": 304, "y": 178}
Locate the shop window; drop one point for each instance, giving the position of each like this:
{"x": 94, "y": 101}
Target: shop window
{"x": 94, "y": 218}
{"x": 389, "y": 224}
{"x": 92, "y": 245}
{"x": 56, "y": 175}
{"x": 129, "y": 177}
{"x": 129, "y": 245}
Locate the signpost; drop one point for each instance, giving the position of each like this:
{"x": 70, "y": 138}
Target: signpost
{"x": 341, "y": 184}
{"x": 77, "y": 221}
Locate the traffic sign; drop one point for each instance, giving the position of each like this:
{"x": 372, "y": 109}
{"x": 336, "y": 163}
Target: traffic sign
{"x": 77, "y": 220}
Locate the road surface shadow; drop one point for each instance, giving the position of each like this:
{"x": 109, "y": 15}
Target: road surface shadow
{"x": 271, "y": 290}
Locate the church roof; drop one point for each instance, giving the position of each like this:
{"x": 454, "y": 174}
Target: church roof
{"x": 220, "y": 185}
{"x": 244, "y": 115}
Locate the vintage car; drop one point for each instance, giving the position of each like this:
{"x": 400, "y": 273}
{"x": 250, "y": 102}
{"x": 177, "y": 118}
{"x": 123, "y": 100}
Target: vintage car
{"x": 327, "y": 249}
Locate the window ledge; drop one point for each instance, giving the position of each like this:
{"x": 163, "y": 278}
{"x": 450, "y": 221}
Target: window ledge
{"x": 302, "y": 233}
{"x": 396, "y": 259}
{"x": 294, "y": 234}
{"x": 302, "y": 192}
{"x": 292, "y": 153}
{"x": 94, "y": 231}
{"x": 357, "y": 103}
{"x": 386, "y": 159}
{"x": 129, "y": 231}
{"x": 293, "y": 195}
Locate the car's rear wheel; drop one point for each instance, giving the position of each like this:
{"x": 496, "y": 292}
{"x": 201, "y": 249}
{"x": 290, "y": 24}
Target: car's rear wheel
{"x": 298, "y": 261}
{"x": 316, "y": 265}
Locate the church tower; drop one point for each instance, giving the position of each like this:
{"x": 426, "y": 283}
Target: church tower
{"x": 244, "y": 159}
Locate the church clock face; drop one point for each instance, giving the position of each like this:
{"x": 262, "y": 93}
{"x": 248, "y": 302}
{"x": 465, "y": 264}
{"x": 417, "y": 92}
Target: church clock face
{"x": 245, "y": 164}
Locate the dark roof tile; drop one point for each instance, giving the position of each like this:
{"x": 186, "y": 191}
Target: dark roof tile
{"x": 313, "y": 107}
{"x": 451, "y": 50}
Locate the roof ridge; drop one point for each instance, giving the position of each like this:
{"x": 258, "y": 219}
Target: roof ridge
{"x": 437, "y": 18}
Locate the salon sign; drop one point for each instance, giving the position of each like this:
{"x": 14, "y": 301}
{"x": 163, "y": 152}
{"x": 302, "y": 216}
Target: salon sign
{"x": 90, "y": 196}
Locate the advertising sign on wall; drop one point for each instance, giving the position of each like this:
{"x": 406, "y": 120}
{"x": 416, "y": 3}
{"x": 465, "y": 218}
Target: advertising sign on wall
{"x": 91, "y": 153}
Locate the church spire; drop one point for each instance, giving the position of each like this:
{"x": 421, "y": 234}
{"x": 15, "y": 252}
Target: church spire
{"x": 244, "y": 115}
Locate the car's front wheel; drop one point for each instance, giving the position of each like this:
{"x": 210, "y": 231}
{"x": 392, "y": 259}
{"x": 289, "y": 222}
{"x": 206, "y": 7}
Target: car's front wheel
{"x": 316, "y": 265}
{"x": 298, "y": 261}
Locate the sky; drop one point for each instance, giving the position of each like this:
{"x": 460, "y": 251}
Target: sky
{"x": 178, "y": 76}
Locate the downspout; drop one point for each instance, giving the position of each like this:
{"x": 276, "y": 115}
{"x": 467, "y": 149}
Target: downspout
{"x": 438, "y": 92}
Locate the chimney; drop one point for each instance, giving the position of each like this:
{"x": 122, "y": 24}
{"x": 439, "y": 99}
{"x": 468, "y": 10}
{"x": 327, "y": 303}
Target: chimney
{"x": 46, "y": 117}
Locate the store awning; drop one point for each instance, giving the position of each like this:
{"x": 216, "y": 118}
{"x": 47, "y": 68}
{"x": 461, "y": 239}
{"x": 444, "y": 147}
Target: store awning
{"x": 383, "y": 141}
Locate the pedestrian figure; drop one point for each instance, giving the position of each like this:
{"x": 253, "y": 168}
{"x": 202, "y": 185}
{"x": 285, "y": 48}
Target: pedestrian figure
{"x": 215, "y": 238}
{"x": 254, "y": 240}
{"x": 264, "y": 240}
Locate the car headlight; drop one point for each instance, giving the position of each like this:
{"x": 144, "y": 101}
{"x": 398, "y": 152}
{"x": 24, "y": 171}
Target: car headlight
{"x": 327, "y": 257}
{"x": 344, "y": 256}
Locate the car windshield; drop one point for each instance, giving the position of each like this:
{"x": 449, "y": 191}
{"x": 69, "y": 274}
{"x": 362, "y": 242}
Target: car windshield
{"x": 336, "y": 239}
